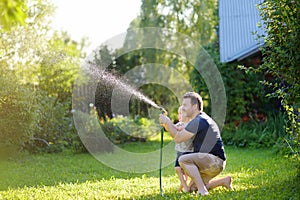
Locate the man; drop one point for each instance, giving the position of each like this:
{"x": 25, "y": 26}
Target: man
{"x": 208, "y": 159}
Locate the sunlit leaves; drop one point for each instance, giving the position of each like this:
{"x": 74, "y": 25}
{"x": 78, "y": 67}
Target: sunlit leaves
{"x": 197, "y": 19}
{"x": 12, "y": 12}
{"x": 37, "y": 65}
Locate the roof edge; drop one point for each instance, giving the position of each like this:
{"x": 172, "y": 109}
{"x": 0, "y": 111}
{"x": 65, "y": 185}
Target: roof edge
{"x": 245, "y": 53}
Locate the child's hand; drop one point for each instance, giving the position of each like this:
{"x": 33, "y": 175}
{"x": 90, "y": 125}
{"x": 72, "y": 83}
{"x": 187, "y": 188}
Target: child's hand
{"x": 163, "y": 119}
{"x": 179, "y": 128}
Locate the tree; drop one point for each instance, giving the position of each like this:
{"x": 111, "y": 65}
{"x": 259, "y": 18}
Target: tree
{"x": 38, "y": 69}
{"x": 12, "y": 13}
{"x": 195, "y": 18}
{"x": 17, "y": 111}
{"x": 199, "y": 20}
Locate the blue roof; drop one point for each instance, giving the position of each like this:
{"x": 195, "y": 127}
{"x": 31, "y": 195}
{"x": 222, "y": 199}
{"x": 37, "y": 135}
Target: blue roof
{"x": 238, "y": 22}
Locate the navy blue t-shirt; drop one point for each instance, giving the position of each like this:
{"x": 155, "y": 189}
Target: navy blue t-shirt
{"x": 208, "y": 138}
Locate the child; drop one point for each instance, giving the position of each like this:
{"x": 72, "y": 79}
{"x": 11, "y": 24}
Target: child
{"x": 182, "y": 148}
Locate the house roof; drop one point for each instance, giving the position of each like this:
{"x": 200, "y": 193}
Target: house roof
{"x": 238, "y": 22}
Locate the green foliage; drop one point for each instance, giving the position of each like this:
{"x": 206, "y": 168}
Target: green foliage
{"x": 90, "y": 137}
{"x": 123, "y": 129}
{"x": 281, "y": 58}
{"x": 161, "y": 95}
{"x": 54, "y": 76}
{"x": 196, "y": 19}
{"x": 124, "y": 63}
{"x": 16, "y": 114}
{"x": 59, "y": 66}
{"x": 244, "y": 93}
{"x": 256, "y": 133}
{"x": 53, "y": 123}
{"x": 256, "y": 173}
{"x": 38, "y": 69}
{"x": 12, "y": 12}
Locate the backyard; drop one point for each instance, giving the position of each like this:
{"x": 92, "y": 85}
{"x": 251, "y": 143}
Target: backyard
{"x": 57, "y": 101}
{"x": 256, "y": 173}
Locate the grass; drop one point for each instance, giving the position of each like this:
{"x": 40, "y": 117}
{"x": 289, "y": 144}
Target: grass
{"x": 257, "y": 174}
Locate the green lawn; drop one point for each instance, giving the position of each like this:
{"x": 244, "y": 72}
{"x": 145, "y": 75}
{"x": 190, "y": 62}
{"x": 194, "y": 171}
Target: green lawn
{"x": 257, "y": 174}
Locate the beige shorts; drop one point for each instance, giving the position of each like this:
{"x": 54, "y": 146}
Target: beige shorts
{"x": 208, "y": 165}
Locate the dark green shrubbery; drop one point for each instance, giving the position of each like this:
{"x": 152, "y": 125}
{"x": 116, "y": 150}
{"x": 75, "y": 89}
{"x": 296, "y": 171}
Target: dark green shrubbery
{"x": 53, "y": 129}
{"x": 244, "y": 92}
{"x": 90, "y": 135}
{"x": 257, "y": 133}
{"x": 281, "y": 58}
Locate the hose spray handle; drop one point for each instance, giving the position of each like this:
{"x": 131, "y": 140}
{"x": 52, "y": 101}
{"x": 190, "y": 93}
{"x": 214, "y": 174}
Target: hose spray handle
{"x": 163, "y": 111}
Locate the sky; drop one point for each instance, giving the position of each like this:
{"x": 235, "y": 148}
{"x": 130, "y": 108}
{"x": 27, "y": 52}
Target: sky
{"x": 98, "y": 20}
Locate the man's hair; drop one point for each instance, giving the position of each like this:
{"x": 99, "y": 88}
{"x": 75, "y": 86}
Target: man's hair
{"x": 195, "y": 99}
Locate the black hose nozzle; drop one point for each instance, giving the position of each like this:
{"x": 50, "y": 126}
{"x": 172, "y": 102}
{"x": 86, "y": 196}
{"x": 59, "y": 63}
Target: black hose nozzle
{"x": 163, "y": 111}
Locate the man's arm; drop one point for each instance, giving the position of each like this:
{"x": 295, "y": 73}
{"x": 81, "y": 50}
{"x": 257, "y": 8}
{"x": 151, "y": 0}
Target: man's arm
{"x": 178, "y": 136}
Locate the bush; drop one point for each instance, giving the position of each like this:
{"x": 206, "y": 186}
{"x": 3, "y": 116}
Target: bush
{"x": 123, "y": 129}
{"x": 256, "y": 133}
{"x": 53, "y": 129}
{"x": 281, "y": 58}
{"x": 90, "y": 137}
{"x": 16, "y": 114}
{"x": 244, "y": 92}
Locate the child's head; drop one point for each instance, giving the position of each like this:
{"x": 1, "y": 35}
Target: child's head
{"x": 181, "y": 116}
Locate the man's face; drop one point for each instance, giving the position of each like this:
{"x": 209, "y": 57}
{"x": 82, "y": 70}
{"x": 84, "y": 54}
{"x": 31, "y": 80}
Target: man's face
{"x": 182, "y": 117}
{"x": 187, "y": 108}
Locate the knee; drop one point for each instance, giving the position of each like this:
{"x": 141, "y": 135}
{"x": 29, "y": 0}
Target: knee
{"x": 178, "y": 170}
{"x": 181, "y": 164}
{"x": 181, "y": 160}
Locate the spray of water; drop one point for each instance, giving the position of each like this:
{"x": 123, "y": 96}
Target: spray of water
{"x": 93, "y": 71}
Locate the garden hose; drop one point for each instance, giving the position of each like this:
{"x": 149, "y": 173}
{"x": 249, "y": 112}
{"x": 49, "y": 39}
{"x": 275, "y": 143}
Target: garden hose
{"x": 161, "y": 147}
{"x": 160, "y": 161}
